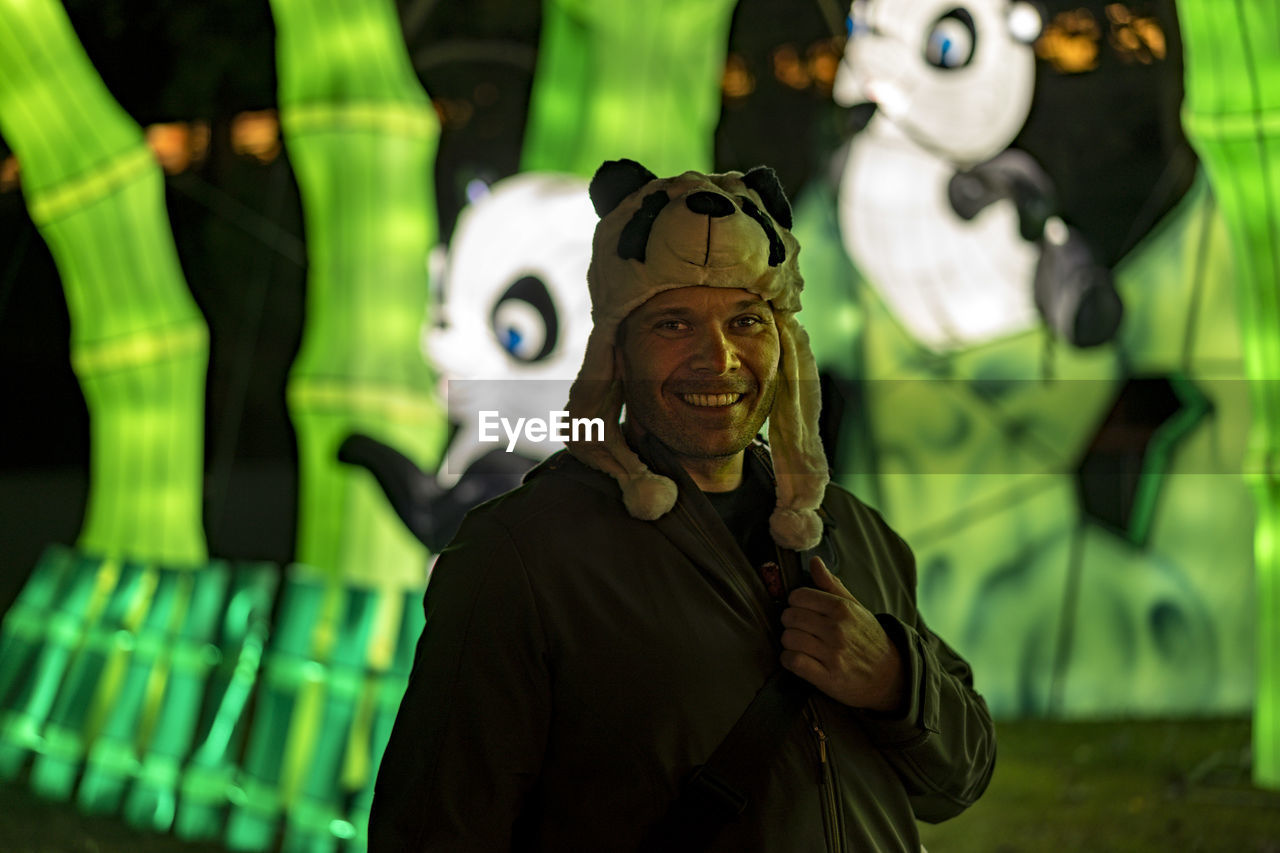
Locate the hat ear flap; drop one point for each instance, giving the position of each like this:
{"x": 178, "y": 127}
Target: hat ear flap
{"x": 765, "y": 182}
{"x": 614, "y": 181}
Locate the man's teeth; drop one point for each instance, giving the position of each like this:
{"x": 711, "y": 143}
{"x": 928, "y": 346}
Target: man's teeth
{"x": 711, "y": 399}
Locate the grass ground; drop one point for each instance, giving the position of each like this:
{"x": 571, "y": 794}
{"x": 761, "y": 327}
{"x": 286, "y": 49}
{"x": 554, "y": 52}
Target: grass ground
{"x": 1111, "y": 787}
{"x": 1117, "y": 787}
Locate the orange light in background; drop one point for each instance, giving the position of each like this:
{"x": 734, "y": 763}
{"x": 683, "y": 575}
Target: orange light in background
{"x": 178, "y": 145}
{"x": 169, "y": 143}
{"x": 256, "y": 134}
{"x": 788, "y": 68}
{"x": 9, "y": 174}
{"x": 1070, "y": 42}
{"x": 1135, "y": 39}
{"x": 737, "y": 81}
{"x": 454, "y": 113}
{"x": 1151, "y": 34}
{"x": 824, "y": 60}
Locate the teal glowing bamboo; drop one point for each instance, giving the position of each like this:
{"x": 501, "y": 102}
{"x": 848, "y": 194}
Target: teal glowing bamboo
{"x": 139, "y": 345}
{"x": 128, "y": 684}
{"x": 91, "y": 642}
{"x": 361, "y": 136}
{"x": 617, "y": 78}
{"x": 1232, "y": 116}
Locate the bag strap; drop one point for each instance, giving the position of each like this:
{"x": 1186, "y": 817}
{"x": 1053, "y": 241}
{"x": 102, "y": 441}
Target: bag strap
{"x": 716, "y": 792}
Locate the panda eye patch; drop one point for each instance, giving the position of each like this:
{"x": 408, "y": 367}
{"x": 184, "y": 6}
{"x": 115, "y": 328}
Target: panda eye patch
{"x": 777, "y": 249}
{"x": 524, "y": 320}
{"x": 952, "y": 41}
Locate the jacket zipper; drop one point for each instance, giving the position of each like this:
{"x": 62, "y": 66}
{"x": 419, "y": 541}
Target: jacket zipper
{"x": 832, "y": 822}
{"x": 827, "y": 782}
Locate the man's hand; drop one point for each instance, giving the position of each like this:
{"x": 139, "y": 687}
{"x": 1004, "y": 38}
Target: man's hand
{"x": 836, "y": 644}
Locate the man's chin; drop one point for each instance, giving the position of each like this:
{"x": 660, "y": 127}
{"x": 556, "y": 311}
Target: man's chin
{"x": 725, "y": 448}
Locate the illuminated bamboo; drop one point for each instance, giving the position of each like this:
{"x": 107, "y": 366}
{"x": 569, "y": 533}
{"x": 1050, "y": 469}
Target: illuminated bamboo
{"x": 139, "y": 345}
{"x": 361, "y": 136}
{"x": 617, "y": 78}
{"x": 1232, "y": 116}
{"x": 92, "y": 646}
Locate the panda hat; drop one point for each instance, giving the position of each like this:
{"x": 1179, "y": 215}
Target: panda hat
{"x": 730, "y": 230}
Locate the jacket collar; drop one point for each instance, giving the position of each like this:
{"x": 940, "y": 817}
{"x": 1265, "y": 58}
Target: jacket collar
{"x": 694, "y": 527}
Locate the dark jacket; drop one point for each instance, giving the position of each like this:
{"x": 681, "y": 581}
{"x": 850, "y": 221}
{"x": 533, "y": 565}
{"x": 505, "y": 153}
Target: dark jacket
{"x": 577, "y": 663}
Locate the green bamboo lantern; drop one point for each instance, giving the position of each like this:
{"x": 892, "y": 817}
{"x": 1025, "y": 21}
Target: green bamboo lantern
{"x": 624, "y": 79}
{"x": 1232, "y": 116}
{"x": 139, "y": 345}
{"x": 124, "y": 684}
{"x": 118, "y": 657}
{"x": 361, "y": 136}
{"x": 334, "y": 673}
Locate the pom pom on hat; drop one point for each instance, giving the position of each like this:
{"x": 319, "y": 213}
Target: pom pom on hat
{"x": 649, "y": 496}
{"x": 797, "y": 529}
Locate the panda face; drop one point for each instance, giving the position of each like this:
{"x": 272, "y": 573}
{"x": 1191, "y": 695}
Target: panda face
{"x": 955, "y": 77}
{"x": 514, "y": 297}
{"x": 514, "y": 310}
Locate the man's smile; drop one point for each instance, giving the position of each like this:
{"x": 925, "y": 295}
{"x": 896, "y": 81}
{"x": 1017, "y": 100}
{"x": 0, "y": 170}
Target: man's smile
{"x": 699, "y": 371}
{"x": 711, "y": 400}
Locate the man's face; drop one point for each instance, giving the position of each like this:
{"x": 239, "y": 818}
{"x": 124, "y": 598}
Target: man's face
{"x": 700, "y": 369}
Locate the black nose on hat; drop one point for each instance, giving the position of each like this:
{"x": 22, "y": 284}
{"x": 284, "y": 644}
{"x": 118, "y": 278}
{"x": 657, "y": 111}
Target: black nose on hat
{"x": 709, "y": 204}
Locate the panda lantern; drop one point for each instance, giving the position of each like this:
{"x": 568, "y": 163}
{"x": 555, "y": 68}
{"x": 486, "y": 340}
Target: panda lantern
{"x": 946, "y": 221}
{"x": 510, "y": 330}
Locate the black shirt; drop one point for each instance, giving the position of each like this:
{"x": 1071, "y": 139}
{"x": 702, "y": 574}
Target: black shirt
{"x": 745, "y": 511}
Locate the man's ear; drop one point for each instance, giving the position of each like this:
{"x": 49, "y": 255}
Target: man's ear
{"x": 765, "y": 182}
{"x": 614, "y": 181}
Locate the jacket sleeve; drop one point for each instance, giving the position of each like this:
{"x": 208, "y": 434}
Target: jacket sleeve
{"x": 942, "y": 744}
{"x": 468, "y": 740}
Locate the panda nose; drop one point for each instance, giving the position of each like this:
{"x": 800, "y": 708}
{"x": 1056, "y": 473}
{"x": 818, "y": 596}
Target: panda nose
{"x": 710, "y": 204}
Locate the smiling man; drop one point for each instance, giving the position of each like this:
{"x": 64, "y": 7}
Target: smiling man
{"x": 699, "y": 369}
{"x": 679, "y": 637}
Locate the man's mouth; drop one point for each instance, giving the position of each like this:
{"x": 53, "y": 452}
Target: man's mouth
{"x": 711, "y": 400}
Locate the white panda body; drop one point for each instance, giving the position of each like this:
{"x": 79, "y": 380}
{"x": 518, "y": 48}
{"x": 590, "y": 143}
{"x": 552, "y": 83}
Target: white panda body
{"x": 951, "y": 283}
{"x": 952, "y": 83}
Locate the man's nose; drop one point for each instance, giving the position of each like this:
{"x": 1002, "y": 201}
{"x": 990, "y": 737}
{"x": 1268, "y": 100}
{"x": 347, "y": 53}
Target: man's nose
{"x": 715, "y": 353}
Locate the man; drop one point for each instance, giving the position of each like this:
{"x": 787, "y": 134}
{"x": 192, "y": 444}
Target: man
{"x": 588, "y": 648}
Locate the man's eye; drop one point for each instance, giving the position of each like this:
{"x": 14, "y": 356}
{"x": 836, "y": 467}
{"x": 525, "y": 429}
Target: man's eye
{"x": 749, "y": 320}
{"x": 670, "y": 325}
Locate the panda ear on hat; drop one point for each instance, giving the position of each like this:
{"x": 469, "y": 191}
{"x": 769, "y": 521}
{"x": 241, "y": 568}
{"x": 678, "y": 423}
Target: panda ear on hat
{"x": 614, "y": 181}
{"x": 765, "y": 182}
